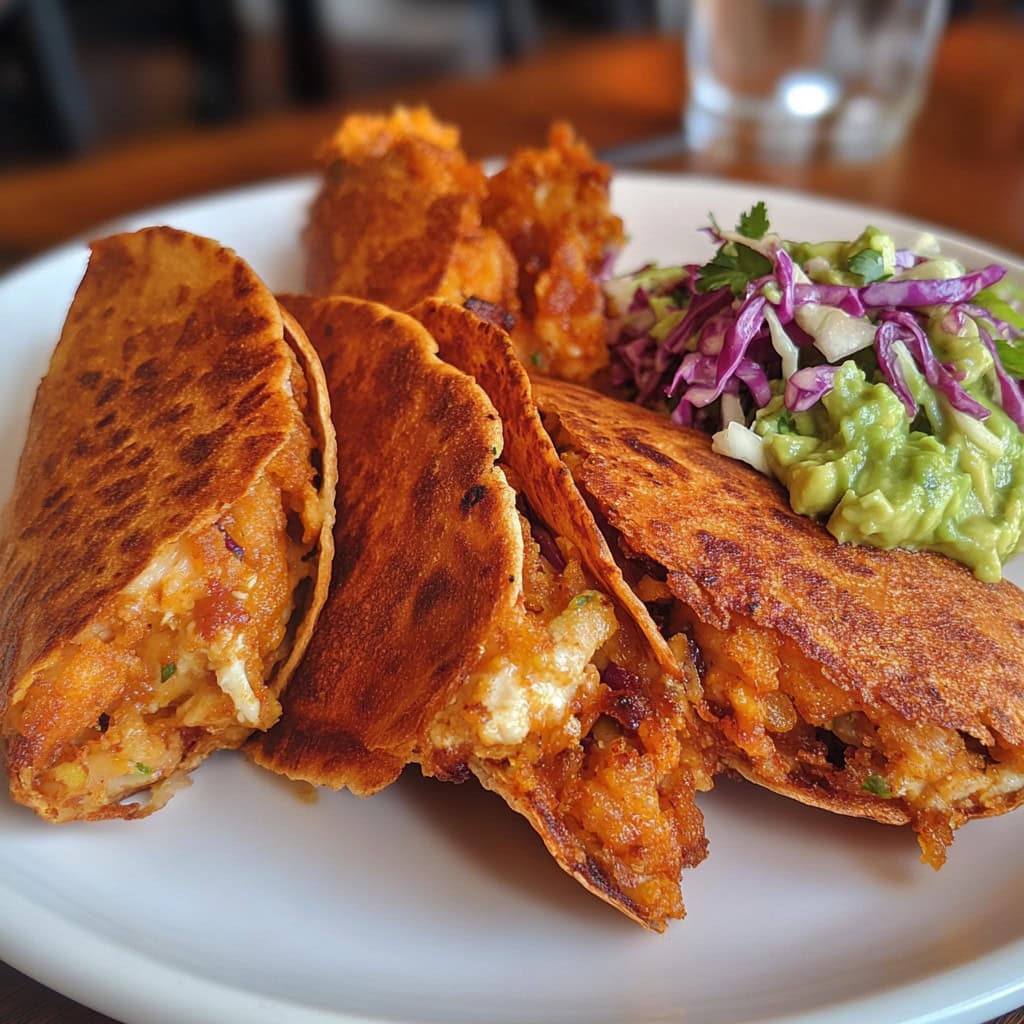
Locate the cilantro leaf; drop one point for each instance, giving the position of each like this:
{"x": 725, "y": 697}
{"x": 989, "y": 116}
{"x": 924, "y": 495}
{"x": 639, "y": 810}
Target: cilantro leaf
{"x": 785, "y": 423}
{"x": 754, "y": 223}
{"x": 733, "y": 266}
{"x": 167, "y": 671}
{"x": 868, "y": 264}
{"x": 143, "y": 769}
{"x": 1011, "y": 356}
{"x": 877, "y": 785}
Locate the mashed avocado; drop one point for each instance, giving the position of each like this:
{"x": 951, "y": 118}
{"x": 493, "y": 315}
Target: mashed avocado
{"x": 846, "y": 262}
{"x": 945, "y": 482}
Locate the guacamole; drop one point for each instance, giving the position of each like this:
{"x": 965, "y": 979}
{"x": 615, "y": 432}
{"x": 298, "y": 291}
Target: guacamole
{"x": 856, "y": 459}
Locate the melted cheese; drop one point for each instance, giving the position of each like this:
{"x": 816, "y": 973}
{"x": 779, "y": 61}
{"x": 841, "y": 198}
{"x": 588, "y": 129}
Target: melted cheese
{"x": 232, "y": 679}
{"x": 530, "y": 688}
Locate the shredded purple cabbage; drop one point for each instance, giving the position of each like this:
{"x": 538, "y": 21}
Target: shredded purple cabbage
{"x": 931, "y": 292}
{"x": 752, "y": 374}
{"x": 1012, "y": 399}
{"x": 886, "y": 338}
{"x": 721, "y": 344}
{"x": 786, "y": 279}
{"x": 702, "y": 307}
{"x": 807, "y": 386}
{"x": 844, "y": 297}
{"x": 939, "y": 375}
{"x": 980, "y": 313}
{"x": 542, "y": 536}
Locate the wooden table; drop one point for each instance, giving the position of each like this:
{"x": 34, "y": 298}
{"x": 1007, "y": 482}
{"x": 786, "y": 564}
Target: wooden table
{"x": 961, "y": 166}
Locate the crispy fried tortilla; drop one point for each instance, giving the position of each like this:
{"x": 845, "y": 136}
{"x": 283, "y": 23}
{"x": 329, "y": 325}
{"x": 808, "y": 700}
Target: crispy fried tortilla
{"x": 397, "y": 218}
{"x": 469, "y": 628}
{"x": 885, "y": 684}
{"x": 168, "y": 543}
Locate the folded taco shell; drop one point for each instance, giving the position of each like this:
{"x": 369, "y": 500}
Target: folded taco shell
{"x": 885, "y": 684}
{"x": 168, "y": 542}
{"x": 470, "y": 628}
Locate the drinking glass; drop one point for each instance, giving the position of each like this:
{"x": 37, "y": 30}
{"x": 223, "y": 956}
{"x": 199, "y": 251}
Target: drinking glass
{"x": 798, "y": 80}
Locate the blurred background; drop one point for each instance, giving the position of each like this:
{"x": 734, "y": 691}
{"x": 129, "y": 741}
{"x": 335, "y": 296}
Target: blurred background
{"x": 80, "y": 75}
{"x": 76, "y": 75}
{"x": 113, "y": 106}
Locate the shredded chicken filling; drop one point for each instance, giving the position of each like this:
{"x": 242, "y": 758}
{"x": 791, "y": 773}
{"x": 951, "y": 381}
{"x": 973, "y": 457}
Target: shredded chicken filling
{"x": 775, "y": 706}
{"x": 183, "y": 660}
{"x": 537, "y": 715}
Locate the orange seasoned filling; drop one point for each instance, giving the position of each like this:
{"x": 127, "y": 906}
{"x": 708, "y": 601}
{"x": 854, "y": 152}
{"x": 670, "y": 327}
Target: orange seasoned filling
{"x": 182, "y": 661}
{"x": 790, "y": 724}
{"x": 570, "y": 709}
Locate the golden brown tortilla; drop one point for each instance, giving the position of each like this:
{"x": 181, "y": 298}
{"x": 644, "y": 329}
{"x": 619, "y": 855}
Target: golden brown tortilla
{"x": 440, "y": 591}
{"x": 175, "y": 388}
{"x": 485, "y": 352}
{"x": 425, "y": 550}
{"x": 905, "y": 671}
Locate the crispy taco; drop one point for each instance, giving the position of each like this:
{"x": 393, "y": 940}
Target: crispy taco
{"x": 884, "y": 684}
{"x": 168, "y": 542}
{"x": 471, "y": 628}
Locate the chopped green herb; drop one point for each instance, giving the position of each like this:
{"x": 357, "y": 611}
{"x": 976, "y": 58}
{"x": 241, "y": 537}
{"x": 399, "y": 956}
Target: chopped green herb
{"x": 1011, "y": 356}
{"x": 143, "y": 769}
{"x": 581, "y": 599}
{"x": 167, "y": 671}
{"x": 535, "y": 358}
{"x": 877, "y": 785}
{"x": 868, "y": 264}
{"x": 785, "y": 424}
{"x": 754, "y": 223}
{"x": 733, "y": 266}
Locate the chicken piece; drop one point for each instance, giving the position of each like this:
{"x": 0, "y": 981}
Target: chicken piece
{"x": 551, "y": 206}
{"x": 397, "y": 218}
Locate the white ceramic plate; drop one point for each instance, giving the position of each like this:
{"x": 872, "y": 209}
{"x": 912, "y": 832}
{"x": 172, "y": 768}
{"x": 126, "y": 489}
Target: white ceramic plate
{"x": 433, "y": 903}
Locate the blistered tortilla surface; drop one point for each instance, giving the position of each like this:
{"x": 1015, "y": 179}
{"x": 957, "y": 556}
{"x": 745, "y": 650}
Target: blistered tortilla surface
{"x": 166, "y": 397}
{"x": 486, "y": 353}
{"x": 428, "y": 550}
{"x": 913, "y": 631}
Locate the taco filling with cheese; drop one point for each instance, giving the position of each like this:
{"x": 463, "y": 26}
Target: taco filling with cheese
{"x": 884, "y": 684}
{"x": 471, "y": 630}
{"x": 167, "y": 545}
